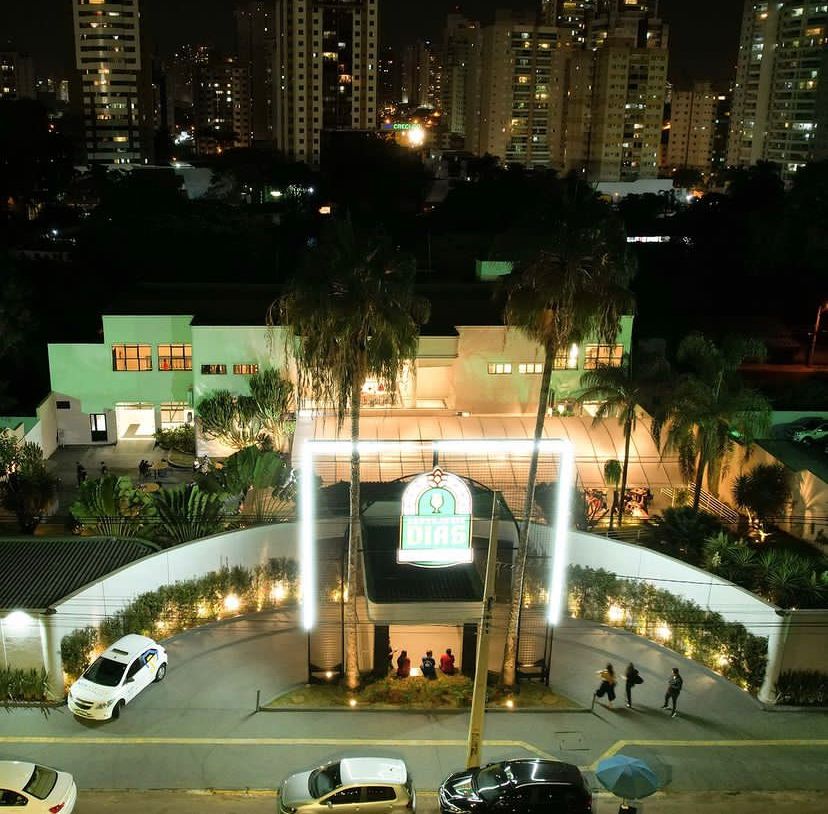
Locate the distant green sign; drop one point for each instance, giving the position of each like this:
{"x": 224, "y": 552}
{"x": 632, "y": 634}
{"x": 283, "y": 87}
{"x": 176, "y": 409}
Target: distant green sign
{"x": 397, "y": 126}
{"x": 436, "y": 521}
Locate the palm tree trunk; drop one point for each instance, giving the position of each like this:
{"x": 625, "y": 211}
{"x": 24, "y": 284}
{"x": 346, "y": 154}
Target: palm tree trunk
{"x": 354, "y": 546}
{"x": 627, "y": 436}
{"x": 509, "y": 674}
{"x": 697, "y": 486}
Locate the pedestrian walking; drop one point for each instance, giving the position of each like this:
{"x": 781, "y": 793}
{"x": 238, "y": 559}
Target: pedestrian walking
{"x": 631, "y": 678}
{"x": 607, "y": 686}
{"x": 80, "y": 472}
{"x": 674, "y": 685}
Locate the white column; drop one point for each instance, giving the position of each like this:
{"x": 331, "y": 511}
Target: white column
{"x": 777, "y": 638}
{"x": 52, "y": 661}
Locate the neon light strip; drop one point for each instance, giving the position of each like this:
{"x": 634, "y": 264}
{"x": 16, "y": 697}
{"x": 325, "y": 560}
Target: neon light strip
{"x": 469, "y": 447}
{"x": 435, "y": 555}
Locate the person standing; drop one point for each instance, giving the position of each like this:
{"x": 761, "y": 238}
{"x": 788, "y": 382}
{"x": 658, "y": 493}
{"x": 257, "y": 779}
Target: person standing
{"x": 80, "y": 472}
{"x": 607, "y": 686}
{"x": 104, "y": 469}
{"x": 631, "y": 678}
{"x": 447, "y": 662}
{"x": 674, "y": 685}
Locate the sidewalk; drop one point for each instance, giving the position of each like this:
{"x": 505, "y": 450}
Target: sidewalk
{"x": 183, "y": 802}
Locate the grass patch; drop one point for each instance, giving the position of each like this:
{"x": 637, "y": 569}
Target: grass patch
{"x": 446, "y": 692}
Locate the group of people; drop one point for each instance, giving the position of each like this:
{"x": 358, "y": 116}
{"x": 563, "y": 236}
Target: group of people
{"x": 81, "y": 474}
{"x": 144, "y": 469}
{"x": 428, "y": 664}
{"x": 632, "y": 678}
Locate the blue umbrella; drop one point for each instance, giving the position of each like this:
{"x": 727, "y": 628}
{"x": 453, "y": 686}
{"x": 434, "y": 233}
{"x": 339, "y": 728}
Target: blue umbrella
{"x": 627, "y": 777}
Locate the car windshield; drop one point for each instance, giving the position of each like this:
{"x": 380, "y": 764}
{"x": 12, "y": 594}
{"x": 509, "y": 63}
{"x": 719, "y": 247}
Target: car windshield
{"x": 324, "y": 780}
{"x": 490, "y": 781}
{"x": 41, "y": 782}
{"x": 106, "y": 672}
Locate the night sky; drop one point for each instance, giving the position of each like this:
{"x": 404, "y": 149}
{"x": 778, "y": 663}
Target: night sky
{"x": 703, "y": 33}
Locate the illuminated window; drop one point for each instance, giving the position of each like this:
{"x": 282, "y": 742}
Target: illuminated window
{"x": 245, "y": 370}
{"x": 175, "y": 414}
{"x": 175, "y": 357}
{"x": 213, "y": 370}
{"x": 603, "y": 356}
{"x": 131, "y": 357}
{"x": 530, "y": 367}
{"x": 566, "y": 359}
{"x": 499, "y": 368}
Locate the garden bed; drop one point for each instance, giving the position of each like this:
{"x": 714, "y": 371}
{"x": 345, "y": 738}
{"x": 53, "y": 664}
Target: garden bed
{"x": 446, "y": 693}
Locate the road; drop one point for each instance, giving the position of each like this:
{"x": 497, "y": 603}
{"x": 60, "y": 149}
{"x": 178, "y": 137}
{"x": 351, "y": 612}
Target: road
{"x": 197, "y": 729}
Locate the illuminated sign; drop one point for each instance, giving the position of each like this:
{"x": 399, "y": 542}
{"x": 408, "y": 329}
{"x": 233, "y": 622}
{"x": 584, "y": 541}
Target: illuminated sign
{"x": 436, "y": 522}
{"x": 397, "y": 126}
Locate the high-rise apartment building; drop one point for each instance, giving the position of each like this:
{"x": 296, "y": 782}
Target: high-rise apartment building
{"x": 461, "y": 44}
{"x": 780, "y": 104}
{"x": 389, "y": 78}
{"x": 692, "y": 127}
{"x": 222, "y": 106}
{"x": 115, "y": 84}
{"x": 17, "y": 80}
{"x": 422, "y": 75}
{"x": 256, "y": 38}
{"x": 325, "y": 71}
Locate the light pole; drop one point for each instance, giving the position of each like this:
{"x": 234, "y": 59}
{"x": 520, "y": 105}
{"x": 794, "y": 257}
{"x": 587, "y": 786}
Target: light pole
{"x": 481, "y": 667}
{"x": 820, "y": 311}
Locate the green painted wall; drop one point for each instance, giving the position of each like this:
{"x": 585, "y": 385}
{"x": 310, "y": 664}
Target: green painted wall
{"x": 85, "y": 371}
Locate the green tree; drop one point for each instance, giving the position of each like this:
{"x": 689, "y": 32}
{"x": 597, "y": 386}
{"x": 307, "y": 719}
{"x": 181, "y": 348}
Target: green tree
{"x": 710, "y": 408}
{"x": 612, "y": 477}
{"x": 762, "y": 492}
{"x": 263, "y": 482}
{"x": 185, "y": 513}
{"x": 621, "y": 391}
{"x": 356, "y": 315}
{"x": 28, "y": 488}
{"x": 571, "y": 289}
{"x": 112, "y": 507}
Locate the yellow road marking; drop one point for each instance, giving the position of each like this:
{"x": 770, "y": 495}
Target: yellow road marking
{"x": 619, "y": 745}
{"x": 158, "y": 741}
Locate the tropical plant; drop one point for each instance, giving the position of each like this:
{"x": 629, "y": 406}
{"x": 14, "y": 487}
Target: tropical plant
{"x": 185, "y": 513}
{"x": 732, "y": 559}
{"x": 354, "y": 309}
{"x": 681, "y": 531}
{"x": 27, "y": 488}
{"x": 572, "y": 289}
{"x": 23, "y": 685}
{"x": 229, "y": 418}
{"x": 111, "y": 507}
{"x": 710, "y": 408}
{"x": 273, "y": 396}
{"x": 263, "y": 481}
{"x": 762, "y": 492}
{"x": 789, "y": 579}
{"x": 802, "y": 688}
{"x": 620, "y": 391}
{"x": 178, "y": 438}
{"x": 613, "y": 475}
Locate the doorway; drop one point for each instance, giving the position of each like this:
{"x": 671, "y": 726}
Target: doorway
{"x": 135, "y": 420}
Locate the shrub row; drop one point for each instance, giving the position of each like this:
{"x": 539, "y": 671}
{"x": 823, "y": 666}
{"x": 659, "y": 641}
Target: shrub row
{"x": 20, "y": 684}
{"x": 174, "y": 608}
{"x": 677, "y": 623}
{"x": 802, "y": 688}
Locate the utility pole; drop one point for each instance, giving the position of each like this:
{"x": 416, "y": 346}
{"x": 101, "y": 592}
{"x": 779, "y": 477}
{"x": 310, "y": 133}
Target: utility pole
{"x": 812, "y": 349}
{"x": 481, "y": 669}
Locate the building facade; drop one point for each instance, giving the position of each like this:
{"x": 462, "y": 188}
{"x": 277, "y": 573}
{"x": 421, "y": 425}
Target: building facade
{"x": 150, "y": 372}
{"x": 693, "y": 115}
{"x": 17, "y": 80}
{"x": 325, "y": 71}
{"x": 256, "y": 40}
{"x": 115, "y": 82}
{"x": 780, "y": 108}
{"x": 461, "y": 43}
{"x": 222, "y": 106}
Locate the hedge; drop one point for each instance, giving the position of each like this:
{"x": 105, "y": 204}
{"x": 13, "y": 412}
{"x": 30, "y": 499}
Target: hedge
{"x": 20, "y": 684}
{"x": 677, "y": 623}
{"x": 178, "y": 607}
{"x": 802, "y": 688}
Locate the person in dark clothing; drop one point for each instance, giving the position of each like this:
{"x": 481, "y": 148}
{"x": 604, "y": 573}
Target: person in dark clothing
{"x": 104, "y": 469}
{"x": 447, "y": 662}
{"x": 429, "y": 665}
{"x": 674, "y": 685}
{"x": 631, "y": 678}
{"x": 80, "y": 472}
{"x": 607, "y": 686}
{"x": 403, "y": 665}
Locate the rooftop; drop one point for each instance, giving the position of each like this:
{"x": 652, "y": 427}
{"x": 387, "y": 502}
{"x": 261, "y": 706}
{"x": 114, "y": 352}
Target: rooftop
{"x": 36, "y": 572}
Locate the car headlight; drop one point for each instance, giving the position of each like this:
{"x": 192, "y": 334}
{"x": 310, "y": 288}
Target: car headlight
{"x": 105, "y": 704}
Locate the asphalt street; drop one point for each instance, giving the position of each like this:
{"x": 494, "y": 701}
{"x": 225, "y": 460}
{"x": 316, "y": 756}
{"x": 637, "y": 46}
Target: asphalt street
{"x": 198, "y": 729}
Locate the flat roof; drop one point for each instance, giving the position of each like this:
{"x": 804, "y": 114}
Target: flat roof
{"x": 37, "y": 572}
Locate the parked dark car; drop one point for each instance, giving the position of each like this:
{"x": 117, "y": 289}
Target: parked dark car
{"x": 517, "y": 787}
{"x": 803, "y": 425}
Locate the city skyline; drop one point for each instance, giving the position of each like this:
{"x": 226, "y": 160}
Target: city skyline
{"x": 699, "y": 50}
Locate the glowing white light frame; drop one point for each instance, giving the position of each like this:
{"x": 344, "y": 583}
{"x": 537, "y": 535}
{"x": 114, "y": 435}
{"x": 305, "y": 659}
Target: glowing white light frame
{"x": 470, "y": 447}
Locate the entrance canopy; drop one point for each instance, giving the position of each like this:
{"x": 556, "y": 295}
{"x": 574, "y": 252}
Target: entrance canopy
{"x": 594, "y": 444}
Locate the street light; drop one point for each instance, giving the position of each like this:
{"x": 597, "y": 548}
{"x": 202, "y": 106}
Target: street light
{"x": 820, "y": 311}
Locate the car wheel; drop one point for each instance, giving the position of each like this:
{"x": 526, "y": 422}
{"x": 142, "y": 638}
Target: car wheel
{"x": 116, "y": 710}
{"x": 162, "y": 671}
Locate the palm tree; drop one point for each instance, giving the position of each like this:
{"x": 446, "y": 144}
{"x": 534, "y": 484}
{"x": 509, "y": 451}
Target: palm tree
{"x": 710, "y": 408}
{"x": 612, "y": 477}
{"x": 572, "y": 289}
{"x": 354, "y": 307}
{"x": 620, "y": 391}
